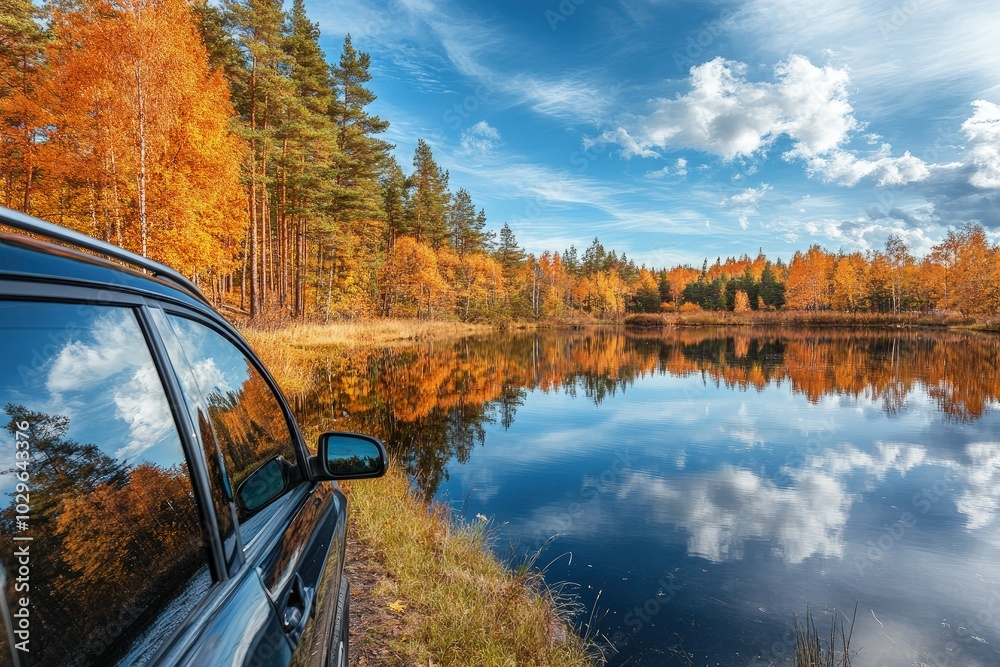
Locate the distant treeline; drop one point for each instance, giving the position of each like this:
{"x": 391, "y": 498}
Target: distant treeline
{"x": 218, "y": 139}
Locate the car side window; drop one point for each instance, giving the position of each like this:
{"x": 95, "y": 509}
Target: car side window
{"x": 249, "y": 423}
{"x": 100, "y": 541}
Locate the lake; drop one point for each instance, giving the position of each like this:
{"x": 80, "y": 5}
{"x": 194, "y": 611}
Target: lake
{"x": 698, "y": 487}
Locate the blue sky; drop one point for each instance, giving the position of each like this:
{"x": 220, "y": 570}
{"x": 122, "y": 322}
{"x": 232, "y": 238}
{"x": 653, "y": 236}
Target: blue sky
{"x": 676, "y": 130}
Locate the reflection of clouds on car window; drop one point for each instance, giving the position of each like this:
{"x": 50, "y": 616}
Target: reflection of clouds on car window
{"x": 141, "y": 403}
{"x": 79, "y": 365}
{"x": 202, "y": 352}
{"x": 110, "y": 356}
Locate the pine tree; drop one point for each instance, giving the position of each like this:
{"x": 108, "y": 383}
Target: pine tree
{"x": 571, "y": 260}
{"x": 481, "y": 240}
{"x": 595, "y": 258}
{"x": 510, "y": 255}
{"x": 362, "y": 157}
{"x": 771, "y": 292}
{"x": 467, "y": 229}
{"x": 258, "y": 29}
{"x": 393, "y": 183}
{"x": 428, "y": 198}
{"x": 223, "y": 51}
{"x": 308, "y": 149}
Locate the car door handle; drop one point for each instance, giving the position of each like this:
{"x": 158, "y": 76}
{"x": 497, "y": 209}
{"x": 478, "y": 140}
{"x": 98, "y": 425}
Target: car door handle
{"x": 297, "y": 608}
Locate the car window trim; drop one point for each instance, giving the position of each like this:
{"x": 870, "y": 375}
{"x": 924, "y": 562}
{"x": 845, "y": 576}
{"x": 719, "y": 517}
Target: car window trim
{"x": 32, "y": 290}
{"x": 197, "y": 466}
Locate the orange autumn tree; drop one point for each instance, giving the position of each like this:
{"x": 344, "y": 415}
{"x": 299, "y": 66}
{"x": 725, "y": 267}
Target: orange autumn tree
{"x": 411, "y": 285}
{"x": 809, "y": 280}
{"x": 849, "y": 275}
{"x": 140, "y": 146}
{"x": 970, "y": 271}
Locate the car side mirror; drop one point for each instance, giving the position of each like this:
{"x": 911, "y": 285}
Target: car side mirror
{"x": 263, "y": 485}
{"x": 350, "y": 456}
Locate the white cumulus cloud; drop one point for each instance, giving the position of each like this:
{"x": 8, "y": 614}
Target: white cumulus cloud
{"x": 117, "y": 352}
{"x": 980, "y": 501}
{"x": 679, "y": 169}
{"x": 846, "y": 168}
{"x": 727, "y": 115}
{"x": 747, "y": 199}
{"x": 983, "y": 133}
{"x": 722, "y": 510}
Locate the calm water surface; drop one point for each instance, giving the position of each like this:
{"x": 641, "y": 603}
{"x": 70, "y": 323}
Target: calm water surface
{"x": 701, "y": 487}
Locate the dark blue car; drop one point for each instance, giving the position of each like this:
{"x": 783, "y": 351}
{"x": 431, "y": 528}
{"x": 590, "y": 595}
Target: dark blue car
{"x": 158, "y": 505}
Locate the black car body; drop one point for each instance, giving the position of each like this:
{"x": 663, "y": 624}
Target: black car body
{"x": 159, "y": 505}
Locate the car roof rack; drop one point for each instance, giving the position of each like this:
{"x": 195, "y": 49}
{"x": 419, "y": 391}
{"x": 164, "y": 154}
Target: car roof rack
{"x": 52, "y": 232}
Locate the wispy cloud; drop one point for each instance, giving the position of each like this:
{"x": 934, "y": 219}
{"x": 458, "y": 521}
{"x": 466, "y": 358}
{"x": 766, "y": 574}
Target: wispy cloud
{"x": 745, "y": 203}
{"x": 900, "y": 54}
{"x": 470, "y": 45}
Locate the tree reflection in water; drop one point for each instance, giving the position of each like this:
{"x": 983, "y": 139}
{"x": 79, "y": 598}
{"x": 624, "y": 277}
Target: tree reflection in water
{"x": 429, "y": 402}
{"x": 107, "y": 539}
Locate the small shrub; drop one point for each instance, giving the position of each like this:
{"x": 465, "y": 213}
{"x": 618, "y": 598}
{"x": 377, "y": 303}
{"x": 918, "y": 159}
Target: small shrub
{"x": 644, "y": 320}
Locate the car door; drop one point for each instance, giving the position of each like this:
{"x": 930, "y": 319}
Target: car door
{"x": 284, "y": 551}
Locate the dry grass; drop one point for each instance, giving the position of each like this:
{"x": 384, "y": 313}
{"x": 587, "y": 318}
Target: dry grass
{"x": 364, "y": 333}
{"x": 462, "y": 606}
{"x": 645, "y": 320}
{"x": 992, "y": 325}
{"x": 810, "y": 652}
{"x": 287, "y": 349}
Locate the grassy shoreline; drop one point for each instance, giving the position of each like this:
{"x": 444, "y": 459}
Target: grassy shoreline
{"x": 449, "y": 600}
{"x": 459, "y": 604}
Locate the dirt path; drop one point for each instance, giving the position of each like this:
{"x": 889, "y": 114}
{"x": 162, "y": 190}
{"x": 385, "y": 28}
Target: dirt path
{"x": 373, "y": 625}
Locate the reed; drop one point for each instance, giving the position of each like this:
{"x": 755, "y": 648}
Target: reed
{"x": 811, "y": 652}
